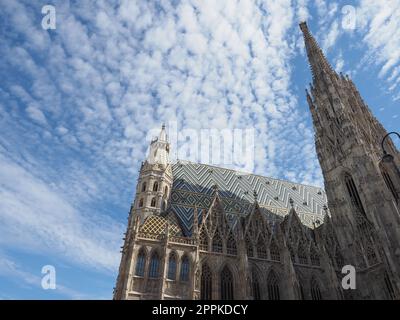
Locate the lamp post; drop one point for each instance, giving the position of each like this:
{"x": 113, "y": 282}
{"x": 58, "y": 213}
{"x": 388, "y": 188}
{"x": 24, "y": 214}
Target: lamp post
{"x": 387, "y": 157}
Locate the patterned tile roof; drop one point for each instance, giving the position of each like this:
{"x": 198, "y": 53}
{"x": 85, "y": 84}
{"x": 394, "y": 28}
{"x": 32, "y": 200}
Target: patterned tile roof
{"x": 193, "y": 186}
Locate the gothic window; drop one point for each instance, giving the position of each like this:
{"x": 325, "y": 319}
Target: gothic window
{"x": 249, "y": 247}
{"x": 164, "y": 205}
{"x": 292, "y": 255}
{"x": 389, "y": 182}
{"x": 389, "y": 287}
{"x": 261, "y": 249}
{"x": 231, "y": 244}
{"x": 273, "y": 286}
{"x": 153, "y": 202}
{"x": 255, "y": 285}
{"x": 203, "y": 241}
{"x": 154, "y": 265}
{"x": 172, "y": 266}
{"x": 301, "y": 254}
{"x": 141, "y": 203}
{"x": 353, "y": 193}
{"x": 314, "y": 257}
{"x": 143, "y": 186}
{"x": 185, "y": 268}
{"x": 140, "y": 263}
{"x": 217, "y": 242}
{"x": 315, "y": 290}
{"x": 274, "y": 251}
{"x": 226, "y": 284}
{"x": 155, "y": 186}
{"x": 206, "y": 283}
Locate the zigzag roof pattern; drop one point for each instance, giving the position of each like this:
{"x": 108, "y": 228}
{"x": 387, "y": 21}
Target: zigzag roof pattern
{"x": 193, "y": 186}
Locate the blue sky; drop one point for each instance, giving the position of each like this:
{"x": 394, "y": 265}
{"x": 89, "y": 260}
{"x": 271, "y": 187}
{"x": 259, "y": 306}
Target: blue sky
{"x": 78, "y": 105}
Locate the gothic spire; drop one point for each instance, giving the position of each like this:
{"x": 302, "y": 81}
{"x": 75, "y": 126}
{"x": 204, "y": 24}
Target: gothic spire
{"x": 318, "y": 62}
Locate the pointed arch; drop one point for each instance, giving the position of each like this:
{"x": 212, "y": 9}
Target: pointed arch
{"x": 217, "y": 242}
{"x": 172, "y": 266}
{"x": 389, "y": 182}
{"x": 140, "y": 262}
{"x": 206, "y": 283}
{"x": 314, "y": 256}
{"x": 273, "y": 286}
{"x": 315, "y": 289}
{"x": 203, "y": 240}
{"x": 226, "y": 284}
{"x": 255, "y": 285}
{"x": 154, "y": 269}
{"x": 185, "y": 268}
{"x": 141, "y": 203}
{"x": 144, "y": 186}
{"x": 302, "y": 254}
{"x": 155, "y": 186}
{"x": 153, "y": 202}
{"x": 261, "y": 248}
{"x": 274, "y": 251}
{"x": 231, "y": 247}
{"x": 353, "y": 192}
{"x": 249, "y": 247}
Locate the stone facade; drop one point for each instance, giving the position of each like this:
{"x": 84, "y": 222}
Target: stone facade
{"x": 201, "y": 232}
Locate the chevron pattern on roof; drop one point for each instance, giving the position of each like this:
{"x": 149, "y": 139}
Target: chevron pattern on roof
{"x": 193, "y": 186}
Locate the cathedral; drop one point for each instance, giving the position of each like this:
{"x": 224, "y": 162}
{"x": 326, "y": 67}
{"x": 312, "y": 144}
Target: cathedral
{"x": 197, "y": 231}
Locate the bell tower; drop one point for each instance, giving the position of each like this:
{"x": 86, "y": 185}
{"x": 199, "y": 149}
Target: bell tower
{"x": 363, "y": 192}
{"x": 155, "y": 179}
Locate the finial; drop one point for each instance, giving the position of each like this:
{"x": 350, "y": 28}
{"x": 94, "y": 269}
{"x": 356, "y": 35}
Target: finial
{"x": 291, "y": 202}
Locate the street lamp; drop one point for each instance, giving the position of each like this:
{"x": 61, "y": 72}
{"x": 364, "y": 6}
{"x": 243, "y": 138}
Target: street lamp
{"x": 387, "y": 157}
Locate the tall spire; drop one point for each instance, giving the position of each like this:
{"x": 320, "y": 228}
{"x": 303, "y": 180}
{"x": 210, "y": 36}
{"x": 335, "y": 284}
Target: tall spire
{"x": 159, "y": 149}
{"x": 318, "y": 62}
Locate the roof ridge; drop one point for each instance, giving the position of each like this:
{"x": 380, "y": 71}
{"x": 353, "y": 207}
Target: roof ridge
{"x": 246, "y": 173}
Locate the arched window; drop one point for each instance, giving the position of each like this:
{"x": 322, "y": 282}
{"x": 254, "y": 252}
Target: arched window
{"x": 217, "y": 242}
{"x": 154, "y": 265}
{"x": 226, "y": 284}
{"x": 172, "y": 266}
{"x": 249, "y": 247}
{"x": 261, "y": 249}
{"x": 301, "y": 254}
{"x": 274, "y": 251}
{"x": 255, "y": 285}
{"x": 185, "y": 268}
{"x": 315, "y": 290}
{"x": 273, "y": 286}
{"x": 141, "y": 203}
{"x": 206, "y": 283}
{"x": 153, "y": 202}
{"x": 389, "y": 182}
{"x": 143, "y": 186}
{"x": 314, "y": 257}
{"x": 353, "y": 193}
{"x": 164, "y": 205}
{"x": 140, "y": 263}
{"x": 231, "y": 245}
{"x": 203, "y": 241}
{"x": 155, "y": 186}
